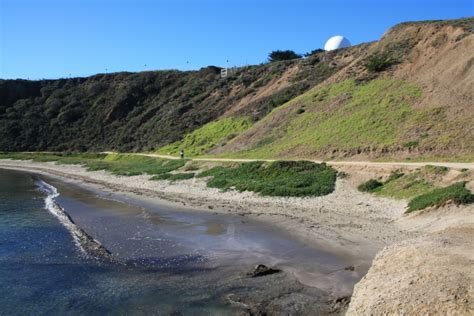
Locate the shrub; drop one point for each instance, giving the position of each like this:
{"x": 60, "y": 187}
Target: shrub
{"x": 279, "y": 55}
{"x": 370, "y": 186}
{"x": 456, "y": 192}
{"x": 436, "y": 170}
{"x": 314, "y": 51}
{"x": 411, "y": 144}
{"x": 379, "y": 62}
{"x": 279, "y": 178}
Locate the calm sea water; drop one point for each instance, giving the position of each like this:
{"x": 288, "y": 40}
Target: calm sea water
{"x": 168, "y": 263}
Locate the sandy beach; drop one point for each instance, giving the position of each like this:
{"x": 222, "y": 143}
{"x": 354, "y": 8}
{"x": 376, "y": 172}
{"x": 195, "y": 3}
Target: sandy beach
{"x": 346, "y": 222}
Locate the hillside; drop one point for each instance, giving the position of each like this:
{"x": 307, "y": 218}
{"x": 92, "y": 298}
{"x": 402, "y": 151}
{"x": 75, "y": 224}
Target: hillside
{"x": 421, "y": 105}
{"x": 144, "y": 111}
{"x": 407, "y": 95}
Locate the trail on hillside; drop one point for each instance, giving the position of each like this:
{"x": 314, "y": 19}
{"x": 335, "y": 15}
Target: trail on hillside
{"x": 454, "y": 165}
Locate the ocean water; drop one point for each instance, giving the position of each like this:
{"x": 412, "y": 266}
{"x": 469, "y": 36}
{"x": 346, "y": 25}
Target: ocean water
{"x": 65, "y": 249}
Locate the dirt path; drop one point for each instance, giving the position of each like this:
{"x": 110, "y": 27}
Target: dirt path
{"x": 453, "y": 165}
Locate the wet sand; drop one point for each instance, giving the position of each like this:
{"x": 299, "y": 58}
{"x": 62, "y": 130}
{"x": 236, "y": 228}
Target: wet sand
{"x": 148, "y": 232}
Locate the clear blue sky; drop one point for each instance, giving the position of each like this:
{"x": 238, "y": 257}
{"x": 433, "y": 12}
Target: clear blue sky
{"x": 55, "y": 38}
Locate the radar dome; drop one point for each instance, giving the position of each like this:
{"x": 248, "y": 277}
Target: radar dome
{"x": 337, "y": 42}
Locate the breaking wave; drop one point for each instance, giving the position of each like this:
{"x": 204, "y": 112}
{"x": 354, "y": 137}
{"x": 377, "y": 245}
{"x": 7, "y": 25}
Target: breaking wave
{"x": 88, "y": 245}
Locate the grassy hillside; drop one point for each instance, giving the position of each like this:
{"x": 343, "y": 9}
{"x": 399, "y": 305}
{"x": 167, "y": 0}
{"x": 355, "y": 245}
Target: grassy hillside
{"x": 347, "y": 117}
{"x": 213, "y": 134}
{"x": 406, "y": 96}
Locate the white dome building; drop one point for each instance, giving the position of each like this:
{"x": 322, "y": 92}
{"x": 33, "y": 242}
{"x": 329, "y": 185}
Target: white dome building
{"x": 336, "y": 42}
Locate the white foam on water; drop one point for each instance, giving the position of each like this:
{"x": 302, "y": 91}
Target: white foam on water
{"x": 80, "y": 238}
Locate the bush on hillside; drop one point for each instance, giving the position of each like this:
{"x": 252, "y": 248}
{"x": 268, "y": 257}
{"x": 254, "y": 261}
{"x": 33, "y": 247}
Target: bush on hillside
{"x": 457, "y": 193}
{"x": 279, "y": 55}
{"x": 379, "y": 62}
{"x": 370, "y": 186}
{"x": 411, "y": 144}
{"x": 314, "y": 51}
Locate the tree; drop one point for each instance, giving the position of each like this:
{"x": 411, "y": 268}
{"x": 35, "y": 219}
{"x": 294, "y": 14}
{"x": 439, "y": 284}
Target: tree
{"x": 278, "y": 55}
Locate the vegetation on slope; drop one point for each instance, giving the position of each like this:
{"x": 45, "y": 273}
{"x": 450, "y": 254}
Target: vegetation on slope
{"x": 279, "y": 178}
{"x": 456, "y": 193}
{"x": 370, "y": 185}
{"x": 405, "y": 186}
{"x": 347, "y": 117}
{"x": 145, "y": 111}
{"x": 420, "y": 187}
{"x": 465, "y": 23}
{"x": 213, "y": 134}
{"x": 391, "y": 117}
{"x": 279, "y": 55}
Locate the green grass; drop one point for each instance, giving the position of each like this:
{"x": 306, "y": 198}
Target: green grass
{"x": 279, "y": 178}
{"x": 406, "y": 186}
{"x": 344, "y": 116}
{"x": 419, "y": 188}
{"x": 213, "y": 134}
{"x": 456, "y": 193}
{"x": 440, "y": 158}
{"x": 117, "y": 164}
{"x": 349, "y": 116}
{"x": 173, "y": 176}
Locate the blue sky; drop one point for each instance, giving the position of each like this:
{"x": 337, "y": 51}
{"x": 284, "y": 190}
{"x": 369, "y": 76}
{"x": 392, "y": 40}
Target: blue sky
{"x": 58, "y": 38}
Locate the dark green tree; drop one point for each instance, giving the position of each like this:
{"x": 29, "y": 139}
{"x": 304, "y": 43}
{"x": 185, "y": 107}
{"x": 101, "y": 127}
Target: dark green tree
{"x": 279, "y": 55}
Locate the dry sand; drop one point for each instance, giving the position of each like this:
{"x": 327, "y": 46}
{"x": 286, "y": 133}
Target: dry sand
{"x": 349, "y": 223}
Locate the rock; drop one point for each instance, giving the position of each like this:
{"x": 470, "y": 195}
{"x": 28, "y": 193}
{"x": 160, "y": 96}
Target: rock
{"x": 261, "y": 270}
{"x": 340, "y": 304}
{"x": 349, "y": 268}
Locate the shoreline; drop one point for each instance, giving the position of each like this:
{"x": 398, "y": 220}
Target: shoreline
{"x": 346, "y": 222}
{"x": 372, "y": 233}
